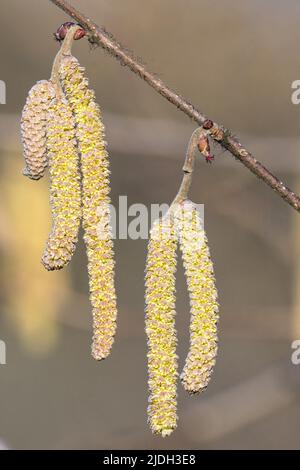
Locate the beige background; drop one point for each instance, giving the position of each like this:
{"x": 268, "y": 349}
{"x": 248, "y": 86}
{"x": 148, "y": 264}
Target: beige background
{"x": 236, "y": 61}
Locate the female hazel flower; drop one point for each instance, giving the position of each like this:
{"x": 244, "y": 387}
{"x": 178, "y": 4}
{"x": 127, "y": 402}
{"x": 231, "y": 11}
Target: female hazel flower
{"x": 33, "y": 128}
{"x": 203, "y": 298}
{"x": 160, "y": 327}
{"x": 95, "y": 194}
{"x": 65, "y": 191}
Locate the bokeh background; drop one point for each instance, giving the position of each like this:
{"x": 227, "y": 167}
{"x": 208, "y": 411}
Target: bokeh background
{"x": 236, "y": 61}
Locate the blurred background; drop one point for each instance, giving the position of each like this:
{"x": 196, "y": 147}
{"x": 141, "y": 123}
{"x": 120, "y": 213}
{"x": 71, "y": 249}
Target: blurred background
{"x": 236, "y": 62}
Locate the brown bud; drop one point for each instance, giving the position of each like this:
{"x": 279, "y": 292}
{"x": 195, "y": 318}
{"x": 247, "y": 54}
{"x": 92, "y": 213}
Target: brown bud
{"x": 80, "y": 33}
{"x": 203, "y": 145}
{"x": 204, "y": 148}
{"x": 63, "y": 29}
{"x": 208, "y": 124}
{"x": 217, "y": 133}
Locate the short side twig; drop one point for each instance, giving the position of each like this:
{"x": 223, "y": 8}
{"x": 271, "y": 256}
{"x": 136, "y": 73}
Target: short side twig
{"x": 188, "y": 167}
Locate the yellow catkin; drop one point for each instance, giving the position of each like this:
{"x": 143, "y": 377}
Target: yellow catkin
{"x": 203, "y": 298}
{"x": 33, "y": 128}
{"x": 65, "y": 191}
{"x": 160, "y": 327}
{"x": 95, "y": 173}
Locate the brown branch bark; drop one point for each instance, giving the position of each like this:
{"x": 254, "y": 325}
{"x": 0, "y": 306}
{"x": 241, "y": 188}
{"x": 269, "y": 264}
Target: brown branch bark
{"x": 223, "y": 136}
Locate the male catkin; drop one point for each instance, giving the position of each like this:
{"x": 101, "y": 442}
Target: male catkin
{"x": 65, "y": 191}
{"x": 95, "y": 186}
{"x": 203, "y": 298}
{"x": 160, "y": 327}
{"x": 33, "y": 128}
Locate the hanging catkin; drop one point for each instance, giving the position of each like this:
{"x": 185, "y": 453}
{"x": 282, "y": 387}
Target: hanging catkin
{"x": 160, "y": 327}
{"x": 203, "y": 298}
{"x": 65, "y": 191}
{"x": 95, "y": 187}
{"x": 33, "y": 128}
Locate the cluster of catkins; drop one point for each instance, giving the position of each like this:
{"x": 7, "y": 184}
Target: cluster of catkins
{"x": 182, "y": 224}
{"x": 62, "y": 129}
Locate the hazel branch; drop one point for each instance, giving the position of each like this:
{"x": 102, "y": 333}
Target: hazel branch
{"x": 97, "y": 35}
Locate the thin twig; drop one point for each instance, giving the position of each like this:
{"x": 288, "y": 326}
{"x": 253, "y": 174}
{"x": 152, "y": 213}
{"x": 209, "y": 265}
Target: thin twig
{"x": 64, "y": 50}
{"x": 224, "y": 137}
{"x": 188, "y": 166}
